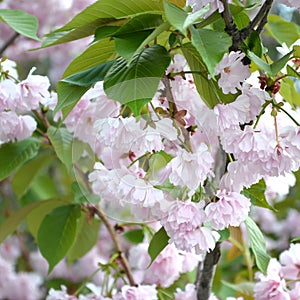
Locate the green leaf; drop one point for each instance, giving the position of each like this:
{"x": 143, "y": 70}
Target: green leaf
{"x": 281, "y": 30}
{"x": 14, "y": 155}
{"x": 35, "y": 217}
{"x": 259, "y": 62}
{"x": 61, "y": 37}
{"x": 86, "y": 237}
{"x": 25, "y": 176}
{"x": 135, "y": 236}
{"x": 272, "y": 69}
{"x": 256, "y": 193}
{"x": 296, "y": 49}
{"x": 105, "y": 31}
{"x": 89, "y": 77}
{"x": 278, "y": 65}
{"x": 295, "y": 240}
{"x": 140, "y": 23}
{"x": 288, "y": 92}
{"x": 292, "y": 72}
{"x": 158, "y": 243}
{"x": 11, "y": 223}
{"x": 68, "y": 96}
{"x": 211, "y": 46}
{"x": 174, "y": 191}
{"x": 57, "y": 233}
{"x": 241, "y": 20}
{"x": 258, "y": 245}
{"x": 131, "y": 35}
{"x": 157, "y": 161}
{"x": 101, "y": 13}
{"x": 83, "y": 196}
{"x": 253, "y": 43}
{"x": 21, "y": 22}
{"x": 176, "y": 16}
{"x": 96, "y": 54}
{"x": 127, "y": 44}
{"x": 120, "y": 9}
{"x": 138, "y": 80}
{"x": 61, "y": 140}
{"x": 224, "y": 234}
{"x": 155, "y": 33}
{"x": 180, "y": 19}
{"x": 207, "y": 89}
{"x": 245, "y": 288}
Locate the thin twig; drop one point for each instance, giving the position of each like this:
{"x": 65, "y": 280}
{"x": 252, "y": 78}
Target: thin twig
{"x": 42, "y": 118}
{"x": 8, "y": 43}
{"x": 169, "y": 96}
{"x": 98, "y": 211}
{"x": 173, "y": 110}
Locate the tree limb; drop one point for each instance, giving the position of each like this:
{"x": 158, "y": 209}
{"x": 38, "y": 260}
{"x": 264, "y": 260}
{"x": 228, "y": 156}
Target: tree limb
{"x": 231, "y": 27}
{"x": 8, "y": 43}
{"x": 260, "y": 19}
{"x": 206, "y": 269}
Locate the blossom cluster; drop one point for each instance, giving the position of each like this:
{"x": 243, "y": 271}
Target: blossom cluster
{"x": 282, "y": 278}
{"x": 18, "y": 99}
{"x": 50, "y": 15}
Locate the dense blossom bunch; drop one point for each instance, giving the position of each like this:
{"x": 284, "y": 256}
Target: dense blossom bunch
{"x": 281, "y": 280}
{"x": 50, "y": 14}
{"x": 17, "y": 100}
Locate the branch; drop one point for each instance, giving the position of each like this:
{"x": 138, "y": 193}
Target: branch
{"x": 8, "y": 43}
{"x": 173, "y": 111}
{"x": 260, "y": 19}
{"x": 98, "y": 211}
{"x": 205, "y": 273}
{"x": 206, "y": 269}
{"x": 231, "y": 28}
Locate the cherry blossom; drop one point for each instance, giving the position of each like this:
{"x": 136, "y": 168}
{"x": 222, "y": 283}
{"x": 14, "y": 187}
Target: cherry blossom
{"x": 189, "y": 293}
{"x": 214, "y": 5}
{"x": 230, "y": 209}
{"x": 14, "y": 127}
{"x": 146, "y": 292}
{"x": 232, "y": 72}
{"x": 290, "y": 259}
{"x": 272, "y": 285}
{"x": 184, "y": 225}
{"x": 190, "y": 169}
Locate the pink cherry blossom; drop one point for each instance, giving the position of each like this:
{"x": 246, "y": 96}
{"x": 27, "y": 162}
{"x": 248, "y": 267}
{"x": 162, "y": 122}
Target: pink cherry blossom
{"x": 295, "y": 292}
{"x": 141, "y": 292}
{"x": 230, "y": 209}
{"x": 190, "y": 169}
{"x": 30, "y": 283}
{"x": 233, "y": 114}
{"x": 199, "y": 4}
{"x": 290, "y": 259}
{"x": 33, "y": 89}
{"x": 271, "y": 286}
{"x": 60, "y": 294}
{"x": 232, "y": 72}
{"x": 9, "y": 95}
{"x": 14, "y": 127}
{"x": 184, "y": 225}
{"x": 165, "y": 269}
{"x": 190, "y": 293}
